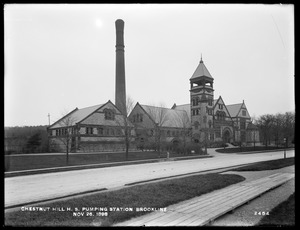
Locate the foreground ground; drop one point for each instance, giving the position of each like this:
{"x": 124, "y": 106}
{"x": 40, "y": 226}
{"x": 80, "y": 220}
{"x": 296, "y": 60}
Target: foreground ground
{"x": 25, "y": 189}
{"x": 159, "y": 195}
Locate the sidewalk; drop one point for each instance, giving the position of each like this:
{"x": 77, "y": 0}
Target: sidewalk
{"x": 204, "y": 209}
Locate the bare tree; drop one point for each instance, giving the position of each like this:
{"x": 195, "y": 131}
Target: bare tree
{"x": 126, "y": 125}
{"x": 265, "y": 123}
{"x": 160, "y": 116}
{"x": 67, "y": 132}
{"x": 184, "y": 124}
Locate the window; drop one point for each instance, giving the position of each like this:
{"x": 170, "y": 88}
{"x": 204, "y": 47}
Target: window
{"x": 100, "y": 131}
{"x": 220, "y": 106}
{"x": 89, "y": 130}
{"x": 210, "y": 103}
{"x": 196, "y": 124}
{"x": 168, "y": 133}
{"x": 56, "y": 132}
{"x": 195, "y": 101}
{"x": 112, "y": 131}
{"x": 106, "y": 131}
{"x": 209, "y": 123}
{"x": 109, "y": 114}
{"x": 243, "y": 125}
{"x": 211, "y": 137}
{"x": 197, "y": 111}
{"x": 134, "y": 118}
{"x": 209, "y": 111}
{"x": 138, "y": 117}
{"x": 119, "y": 132}
{"x": 243, "y": 112}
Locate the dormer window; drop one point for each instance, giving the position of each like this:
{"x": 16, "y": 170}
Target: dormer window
{"x": 109, "y": 114}
{"x": 243, "y": 112}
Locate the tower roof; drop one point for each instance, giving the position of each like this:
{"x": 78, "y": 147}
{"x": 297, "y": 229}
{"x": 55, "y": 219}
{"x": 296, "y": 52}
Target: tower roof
{"x": 201, "y": 71}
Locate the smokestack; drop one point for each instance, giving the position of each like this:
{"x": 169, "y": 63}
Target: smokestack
{"x": 120, "y": 96}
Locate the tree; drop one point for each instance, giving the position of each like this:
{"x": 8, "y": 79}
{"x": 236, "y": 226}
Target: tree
{"x": 184, "y": 124}
{"x": 126, "y": 125}
{"x": 34, "y": 142}
{"x": 289, "y": 126}
{"x": 67, "y": 124}
{"x": 160, "y": 116}
{"x": 265, "y": 123}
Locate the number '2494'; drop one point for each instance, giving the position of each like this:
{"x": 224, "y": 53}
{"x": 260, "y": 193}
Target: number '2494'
{"x": 261, "y": 213}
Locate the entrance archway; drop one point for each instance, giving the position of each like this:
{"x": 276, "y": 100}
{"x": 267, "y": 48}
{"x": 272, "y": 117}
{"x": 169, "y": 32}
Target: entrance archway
{"x": 226, "y": 136}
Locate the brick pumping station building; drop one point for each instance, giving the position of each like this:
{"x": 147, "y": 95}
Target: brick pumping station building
{"x": 204, "y": 119}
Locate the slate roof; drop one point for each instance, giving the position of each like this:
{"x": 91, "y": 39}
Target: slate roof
{"x": 185, "y": 107}
{"x": 173, "y": 118}
{"x": 234, "y": 109}
{"x": 200, "y": 71}
{"x": 76, "y": 115}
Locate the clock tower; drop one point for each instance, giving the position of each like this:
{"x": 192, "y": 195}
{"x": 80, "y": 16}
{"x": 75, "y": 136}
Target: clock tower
{"x": 201, "y": 96}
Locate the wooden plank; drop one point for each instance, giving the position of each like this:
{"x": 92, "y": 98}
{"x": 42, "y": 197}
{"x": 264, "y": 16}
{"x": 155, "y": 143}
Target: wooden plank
{"x": 219, "y": 201}
{"x": 138, "y": 221}
{"x": 182, "y": 218}
{"x": 161, "y": 219}
{"x": 205, "y": 201}
{"x": 166, "y": 219}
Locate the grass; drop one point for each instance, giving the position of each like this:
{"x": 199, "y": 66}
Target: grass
{"x": 282, "y": 215}
{"x": 247, "y": 150}
{"x": 267, "y": 165}
{"x": 156, "y": 195}
{"x": 17, "y": 163}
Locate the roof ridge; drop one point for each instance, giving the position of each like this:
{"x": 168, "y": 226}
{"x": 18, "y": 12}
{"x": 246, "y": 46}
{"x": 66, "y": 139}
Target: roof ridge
{"x": 92, "y": 106}
{"x": 155, "y": 106}
{"x": 235, "y": 104}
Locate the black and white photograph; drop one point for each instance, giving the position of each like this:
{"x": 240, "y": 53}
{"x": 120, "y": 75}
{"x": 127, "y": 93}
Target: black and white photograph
{"x": 153, "y": 115}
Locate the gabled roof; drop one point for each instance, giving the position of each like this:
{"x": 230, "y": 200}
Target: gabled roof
{"x": 173, "y": 118}
{"x": 76, "y": 116}
{"x": 234, "y": 109}
{"x": 201, "y": 71}
{"x": 185, "y": 107}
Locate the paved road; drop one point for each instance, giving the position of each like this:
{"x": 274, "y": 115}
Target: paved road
{"x": 25, "y": 189}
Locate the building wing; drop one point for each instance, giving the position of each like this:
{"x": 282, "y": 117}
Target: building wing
{"x": 75, "y": 116}
{"x": 167, "y": 117}
{"x": 234, "y": 109}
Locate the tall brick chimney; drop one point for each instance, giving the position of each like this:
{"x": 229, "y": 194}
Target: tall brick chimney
{"x": 120, "y": 94}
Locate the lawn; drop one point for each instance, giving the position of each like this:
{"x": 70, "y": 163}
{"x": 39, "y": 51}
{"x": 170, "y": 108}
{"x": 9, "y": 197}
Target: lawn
{"x": 248, "y": 149}
{"x": 16, "y": 163}
{"x": 282, "y": 215}
{"x": 152, "y": 195}
{"x": 267, "y": 165}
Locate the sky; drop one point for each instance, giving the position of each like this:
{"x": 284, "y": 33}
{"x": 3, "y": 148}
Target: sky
{"x": 61, "y": 56}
